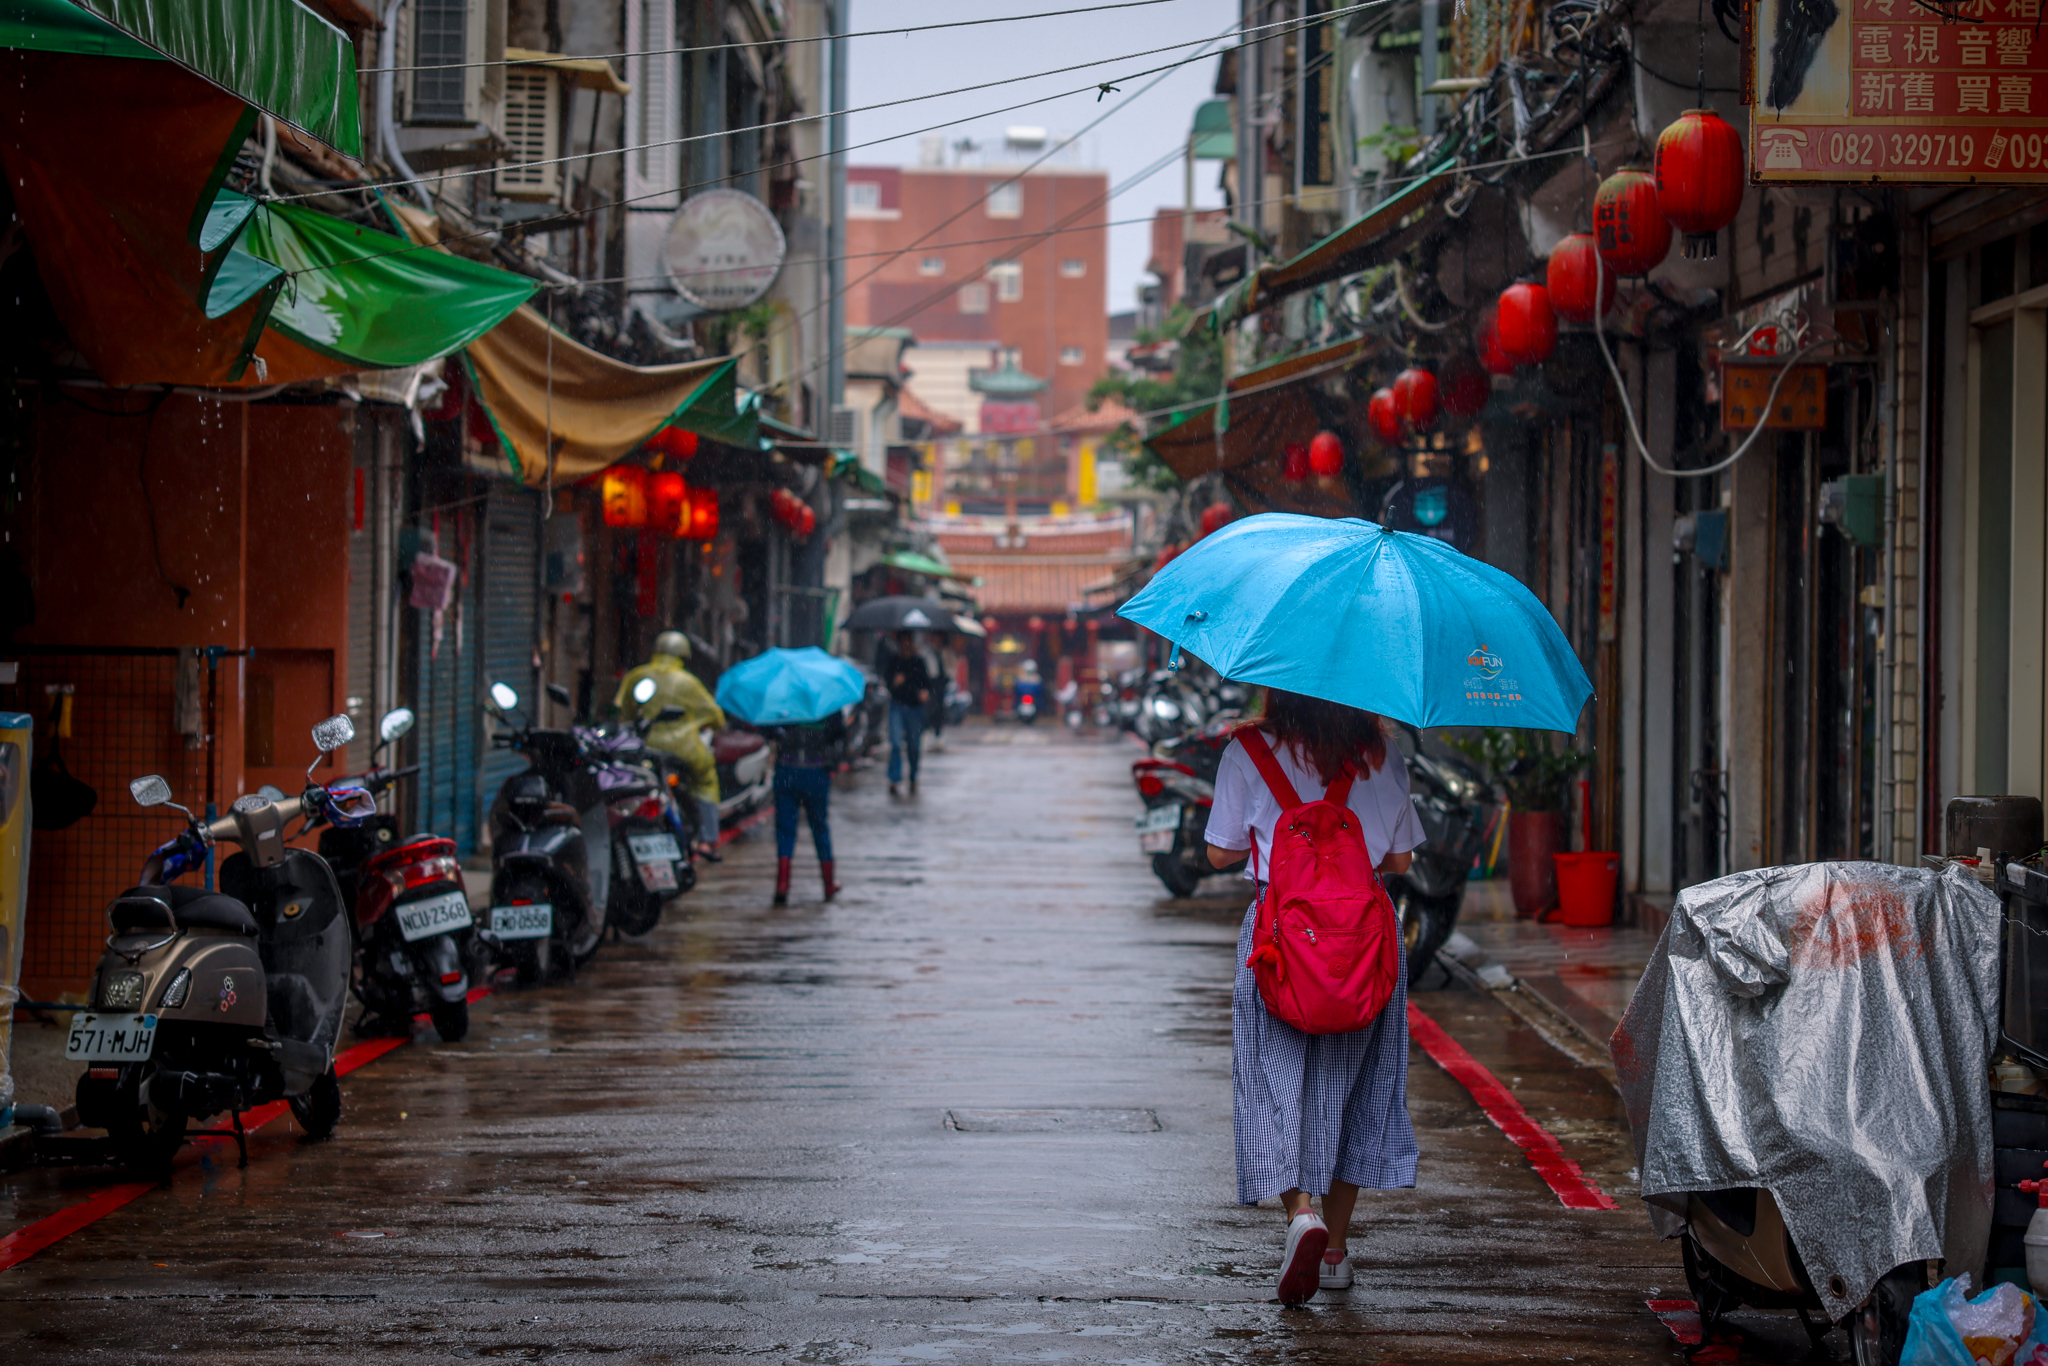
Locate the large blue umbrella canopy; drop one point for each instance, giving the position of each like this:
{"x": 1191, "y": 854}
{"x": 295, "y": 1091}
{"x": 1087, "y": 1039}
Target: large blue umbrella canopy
{"x": 1348, "y": 611}
{"x": 789, "y": 687}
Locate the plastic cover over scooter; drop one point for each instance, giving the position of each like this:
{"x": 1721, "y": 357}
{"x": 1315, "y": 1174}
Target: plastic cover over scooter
{"x": 1823, "y": 1032}
{"x": 306, "y": 950}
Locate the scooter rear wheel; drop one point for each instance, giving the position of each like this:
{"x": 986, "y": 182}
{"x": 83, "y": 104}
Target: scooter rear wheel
{"x": 149, "y": 1141}
{"x": 319, "y": 1110}
{"x": 1877, "y": 1327}
{"x": 451, "y": 1019}
{"x": 1175, "y": 875}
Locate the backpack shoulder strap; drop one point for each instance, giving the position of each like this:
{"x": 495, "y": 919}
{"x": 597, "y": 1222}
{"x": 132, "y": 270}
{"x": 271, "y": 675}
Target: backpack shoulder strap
{"x": 1269, "y": 768}
{"x": 1340, "y": 791}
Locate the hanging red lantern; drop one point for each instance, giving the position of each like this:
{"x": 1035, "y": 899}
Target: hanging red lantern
{"x": 1383, "y": 415}
{"x": 1699, "y": 178}
{"x": 703, "y": 514}
{"x": 668, "y": 503}
{"x": 782, "y": 505}
{"x": 1573, "y": 265}
{"x": 1633, "y": 238}
{"x": 1526, "y": 324}
{"x": 678, "y": 442}
{"x": 806, "y": 519}
{"x": 1215, "y": 517}
{"x": 1486, "y": 342}
{"x": 1466, "y": 391}
{"x": 1294, "y": 462}
{"x": 625, "y": 496}
{"x": 1416, "y": 399}
{"x": 1325, "y": 454}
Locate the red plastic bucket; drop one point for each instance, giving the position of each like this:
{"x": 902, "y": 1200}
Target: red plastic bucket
{"x": 1585, "y": 887}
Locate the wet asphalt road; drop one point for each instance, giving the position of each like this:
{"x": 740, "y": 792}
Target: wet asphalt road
{"x": 731, "y": 1141}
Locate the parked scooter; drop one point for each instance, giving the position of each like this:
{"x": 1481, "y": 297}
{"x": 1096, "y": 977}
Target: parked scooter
{"x": 412, "y": 918}
{"x": 1453, "y": 803}
{"x": 746, "y": 774}
{"x": 216, "y": 1001}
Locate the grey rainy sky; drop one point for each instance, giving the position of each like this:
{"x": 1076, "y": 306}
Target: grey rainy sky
{"x": 884, "y": 68}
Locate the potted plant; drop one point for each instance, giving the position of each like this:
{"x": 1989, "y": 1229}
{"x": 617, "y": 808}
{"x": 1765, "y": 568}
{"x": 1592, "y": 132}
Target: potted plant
{"x": 1535, "y": 780}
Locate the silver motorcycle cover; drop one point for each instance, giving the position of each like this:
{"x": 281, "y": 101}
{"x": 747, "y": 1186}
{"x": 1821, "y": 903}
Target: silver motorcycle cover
{"x": 1823, "y": 1032}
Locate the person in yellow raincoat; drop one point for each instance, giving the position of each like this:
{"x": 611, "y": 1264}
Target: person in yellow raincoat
{"x": 675, "y": 686}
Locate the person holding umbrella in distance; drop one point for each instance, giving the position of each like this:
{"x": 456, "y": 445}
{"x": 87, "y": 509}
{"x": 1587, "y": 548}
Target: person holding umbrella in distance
{"x": 1342, "y": 622}
{"x": 798, "y": 698}
{"x": 905, "y": 673}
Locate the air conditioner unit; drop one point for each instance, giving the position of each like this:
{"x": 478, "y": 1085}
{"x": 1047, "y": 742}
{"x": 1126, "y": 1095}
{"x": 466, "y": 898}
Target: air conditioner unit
{"x": 844, "y": 429}
{"x": 530, "y": 121}
{"x": 456, "y": 49}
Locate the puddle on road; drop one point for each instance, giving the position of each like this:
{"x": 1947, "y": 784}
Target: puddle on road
{"x": 1053, "y": 1121}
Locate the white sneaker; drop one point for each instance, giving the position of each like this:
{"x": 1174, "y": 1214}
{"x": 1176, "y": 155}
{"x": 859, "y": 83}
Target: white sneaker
{"x": 1336, "y": 1271}
{"x": 1307, "y": 1236}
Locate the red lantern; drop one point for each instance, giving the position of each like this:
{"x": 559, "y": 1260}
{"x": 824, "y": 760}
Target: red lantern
{"x": 782, "y": 505}
{"x": 1416, "y": 399}
{"x": 1383, "y": 415}
{"x": 1526, "y": 325}
{"x": 1294, "y": 462}
{"x": 1633, "y": 238}
{"x": 703, "y": 514}
{"x": 675, "y": 441}
{"x": 1215, "y": 517}
{"x": 1166, "y": 555}
{"x": 625, "y": 496}
{"x": 668, "y": 503}
{"x": 1467, "y": 390}
{"x": 1486, "y": 342}
{"x": 1699, "y": 178}
{"x": 1573, "y": 264}
{"x": 806, "y": 519}
{"x": 1325, "y": 454}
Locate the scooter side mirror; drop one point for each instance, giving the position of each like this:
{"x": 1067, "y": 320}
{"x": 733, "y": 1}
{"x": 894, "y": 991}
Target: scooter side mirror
{"x": 558, "y": 693}
{"x": 503, "y": 697}
{"x": 396, "y": 723}
{"x": 150, "y": 791}
{"x": 333, "y": 733}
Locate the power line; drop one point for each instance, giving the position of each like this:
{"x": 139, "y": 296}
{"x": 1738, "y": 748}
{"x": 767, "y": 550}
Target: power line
{"x": 1100, "y": 87}
{"x": 772, "y": 42}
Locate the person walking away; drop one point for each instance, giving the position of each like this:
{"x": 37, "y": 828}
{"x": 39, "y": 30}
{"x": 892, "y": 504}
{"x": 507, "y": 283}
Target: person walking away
{"x": 675, "y": 686}
{"x": 910, "y": 687}
{"x": 1315, "y": 1114}
{"x": 934, "y": 657}
{"x": 805, "y": 755}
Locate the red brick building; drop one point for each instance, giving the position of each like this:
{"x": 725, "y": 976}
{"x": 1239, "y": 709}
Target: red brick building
{"x": 1037, "y": 296}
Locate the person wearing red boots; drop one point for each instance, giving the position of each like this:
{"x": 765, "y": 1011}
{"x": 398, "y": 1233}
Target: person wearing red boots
{"x": 805, "y": 756}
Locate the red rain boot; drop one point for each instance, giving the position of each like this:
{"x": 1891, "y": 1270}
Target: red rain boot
{"x": 782, "y": 881}
{"x": 831, "y": 885}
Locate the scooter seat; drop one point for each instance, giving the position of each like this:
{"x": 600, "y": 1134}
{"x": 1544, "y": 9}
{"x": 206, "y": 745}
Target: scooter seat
{"x": 730, "y": 746}
{"x": 193, "y": 908}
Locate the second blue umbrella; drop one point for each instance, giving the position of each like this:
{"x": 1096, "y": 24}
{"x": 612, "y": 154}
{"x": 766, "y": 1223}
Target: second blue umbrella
{"x": 790, "y": 687}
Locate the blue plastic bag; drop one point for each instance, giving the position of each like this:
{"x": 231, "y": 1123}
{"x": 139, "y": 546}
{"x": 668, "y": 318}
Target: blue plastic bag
{"x": 2002, "y": 1325}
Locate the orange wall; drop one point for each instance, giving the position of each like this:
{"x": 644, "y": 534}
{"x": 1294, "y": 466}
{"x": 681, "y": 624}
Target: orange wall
{"x": 251, "y": 513}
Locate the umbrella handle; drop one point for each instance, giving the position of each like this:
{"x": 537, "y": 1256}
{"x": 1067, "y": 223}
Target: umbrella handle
{"x": 1173, "y": 660}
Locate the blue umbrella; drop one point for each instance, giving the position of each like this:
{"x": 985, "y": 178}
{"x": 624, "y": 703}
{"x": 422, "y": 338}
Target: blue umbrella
{"x": 1348, "y": 611}
{"x": 789, "y": 687}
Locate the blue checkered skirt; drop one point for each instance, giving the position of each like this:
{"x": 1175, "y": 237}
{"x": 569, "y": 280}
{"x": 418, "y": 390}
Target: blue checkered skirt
{"x": 1312, "y": 1107}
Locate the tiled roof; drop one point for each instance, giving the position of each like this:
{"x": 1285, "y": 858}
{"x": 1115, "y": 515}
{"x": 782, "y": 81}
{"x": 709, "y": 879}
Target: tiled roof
{"x": 1035, "y": 583}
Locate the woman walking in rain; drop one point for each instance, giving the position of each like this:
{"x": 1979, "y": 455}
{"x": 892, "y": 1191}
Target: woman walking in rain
{"x": 1316, "y": 1114}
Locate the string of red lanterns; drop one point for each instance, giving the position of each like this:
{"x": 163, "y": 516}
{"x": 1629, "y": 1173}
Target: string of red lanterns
{"x": 658, "y": 500}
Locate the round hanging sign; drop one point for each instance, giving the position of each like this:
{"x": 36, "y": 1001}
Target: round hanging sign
{"x": 723, "y": 250}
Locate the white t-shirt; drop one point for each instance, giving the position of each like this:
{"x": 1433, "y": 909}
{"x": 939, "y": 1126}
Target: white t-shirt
{"x": 1246, "y": 809}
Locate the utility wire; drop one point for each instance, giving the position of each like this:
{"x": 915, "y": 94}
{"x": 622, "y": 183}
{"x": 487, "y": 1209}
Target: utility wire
{"x": 776, "y": 42}
{"x": 1101, "y": 88}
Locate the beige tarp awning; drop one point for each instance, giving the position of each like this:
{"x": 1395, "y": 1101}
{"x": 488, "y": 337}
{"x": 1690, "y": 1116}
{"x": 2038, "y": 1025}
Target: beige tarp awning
{"x": 585, "y": 73}
{"x": 543, "y": 388}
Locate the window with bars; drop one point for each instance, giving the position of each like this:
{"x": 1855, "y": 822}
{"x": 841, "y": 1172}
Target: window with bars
{"x": 440, "y": 85}
{"x": 654, "y": 112}
{"x": 1009, "y": 280}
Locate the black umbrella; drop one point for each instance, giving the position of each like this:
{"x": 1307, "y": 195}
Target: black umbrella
{"x": 902, "y": 614}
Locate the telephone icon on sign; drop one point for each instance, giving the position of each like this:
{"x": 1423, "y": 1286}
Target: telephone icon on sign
{"x": 1782, "y": 149}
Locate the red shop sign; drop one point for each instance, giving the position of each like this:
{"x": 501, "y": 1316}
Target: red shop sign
{"x": 1895, "y": 91}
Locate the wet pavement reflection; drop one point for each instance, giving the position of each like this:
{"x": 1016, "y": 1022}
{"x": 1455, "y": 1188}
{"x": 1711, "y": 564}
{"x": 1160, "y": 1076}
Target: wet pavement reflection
{"x": 977, "y": 1109}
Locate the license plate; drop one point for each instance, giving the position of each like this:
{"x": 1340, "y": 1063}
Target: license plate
{"x": 1156, "y": 841}
{"x": 658, "y": 877}
{"x": 435, "y": 915}
{"x": 110, "y": 1038}
{"x": 1159, "y": 818}
{"x": 654, "y": 849}
{"x": 523, "y": 922}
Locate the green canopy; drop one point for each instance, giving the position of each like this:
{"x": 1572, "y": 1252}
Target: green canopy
{"x": 1213, "y": 138}
{"x": 913, "y": 563}
{"x": 274, "y": 54}
{"x": 351, "y": 292}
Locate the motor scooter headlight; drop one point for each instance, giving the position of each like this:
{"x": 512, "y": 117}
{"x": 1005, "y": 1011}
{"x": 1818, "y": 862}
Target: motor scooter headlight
{"x": 174, "y": 994}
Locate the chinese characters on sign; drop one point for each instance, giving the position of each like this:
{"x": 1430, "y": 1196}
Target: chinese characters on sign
{"x": 1898, "y": 90}
{"x": 1801, "y": 405}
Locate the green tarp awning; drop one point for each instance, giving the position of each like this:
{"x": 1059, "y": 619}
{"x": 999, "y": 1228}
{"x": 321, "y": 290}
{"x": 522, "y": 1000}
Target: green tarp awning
{"x": 913, "y": 563}
{"x": 354, "y": 293}
{"x": 274, "y": 54}
{"x": 1213, "y": 138}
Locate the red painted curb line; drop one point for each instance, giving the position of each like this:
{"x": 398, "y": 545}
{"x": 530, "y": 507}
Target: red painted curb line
{"x": 27, "y": 1241}
{"x": 745, "y": 824}
{"x": 1537, "y": 1143}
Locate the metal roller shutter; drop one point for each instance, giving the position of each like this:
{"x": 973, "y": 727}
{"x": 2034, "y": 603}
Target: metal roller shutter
{"x": 511, "y": 615}
{"x": 449, "y": 728}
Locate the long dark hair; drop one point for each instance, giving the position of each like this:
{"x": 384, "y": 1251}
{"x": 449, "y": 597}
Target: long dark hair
{"x": 1330, "y": 736}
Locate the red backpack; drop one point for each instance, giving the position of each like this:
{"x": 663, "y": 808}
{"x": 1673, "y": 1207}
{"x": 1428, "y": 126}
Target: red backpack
{"x": 1326, "y": 947}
